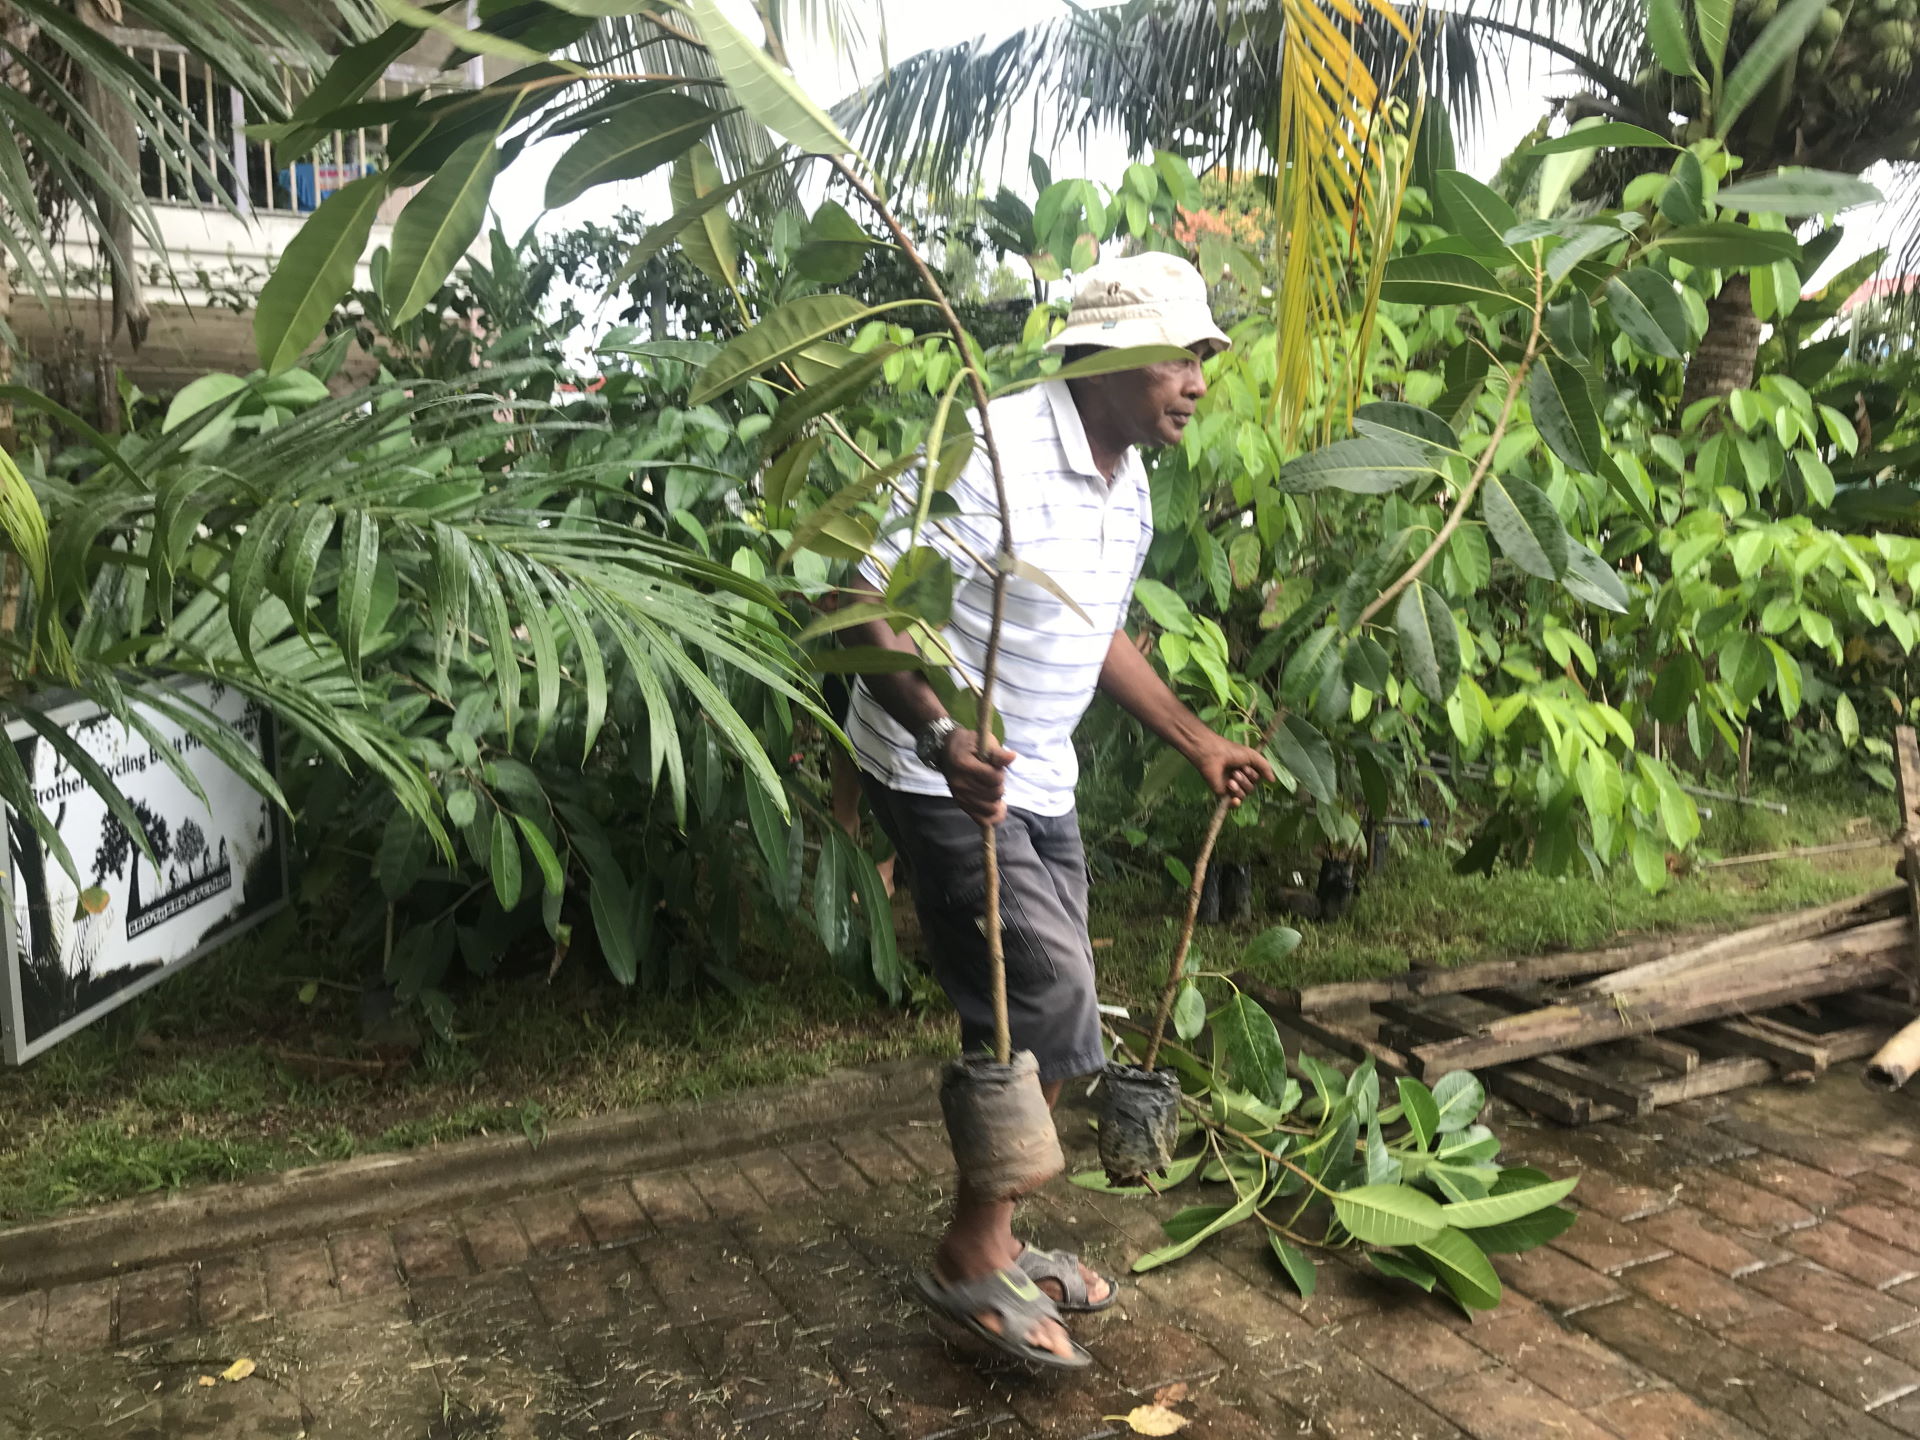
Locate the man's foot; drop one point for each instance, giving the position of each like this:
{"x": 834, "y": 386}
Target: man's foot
{"x": 1092, "y": 1293}
{"x": 951, "y": 1266}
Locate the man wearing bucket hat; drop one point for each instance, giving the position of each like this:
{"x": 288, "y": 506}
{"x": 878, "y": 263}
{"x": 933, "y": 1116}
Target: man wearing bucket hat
{"x": 1081, "y": 515}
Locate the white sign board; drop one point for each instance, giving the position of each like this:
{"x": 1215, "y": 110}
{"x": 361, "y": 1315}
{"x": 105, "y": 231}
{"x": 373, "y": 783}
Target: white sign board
{"x": 73, "y": 952}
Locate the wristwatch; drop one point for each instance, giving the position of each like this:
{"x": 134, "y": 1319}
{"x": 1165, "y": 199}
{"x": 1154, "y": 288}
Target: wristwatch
{"x": 931, "y": 743}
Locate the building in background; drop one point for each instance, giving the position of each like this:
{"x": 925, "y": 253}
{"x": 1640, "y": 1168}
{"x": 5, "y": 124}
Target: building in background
{"x": 220, "y": 235}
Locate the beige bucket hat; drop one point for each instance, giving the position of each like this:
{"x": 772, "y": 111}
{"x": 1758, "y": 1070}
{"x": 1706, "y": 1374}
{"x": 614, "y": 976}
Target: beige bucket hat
{"x": 1150, "y": 299}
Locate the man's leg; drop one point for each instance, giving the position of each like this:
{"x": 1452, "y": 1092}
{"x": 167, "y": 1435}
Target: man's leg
{"x": 1049, "y": 986}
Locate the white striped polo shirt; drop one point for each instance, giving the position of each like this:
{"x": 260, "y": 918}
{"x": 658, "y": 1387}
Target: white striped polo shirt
{"x": 1090, "y": 537}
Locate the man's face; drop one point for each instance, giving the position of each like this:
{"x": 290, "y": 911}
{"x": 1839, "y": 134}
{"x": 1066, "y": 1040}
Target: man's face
{"x": 1157, "y": 400}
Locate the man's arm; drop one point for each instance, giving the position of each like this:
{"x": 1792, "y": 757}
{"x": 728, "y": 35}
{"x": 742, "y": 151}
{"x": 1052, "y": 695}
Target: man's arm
{"x": 1231, "y": 771}
{"x": 978, "y": 786}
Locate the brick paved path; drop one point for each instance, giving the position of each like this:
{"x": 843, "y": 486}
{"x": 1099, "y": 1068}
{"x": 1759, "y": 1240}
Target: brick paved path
{"x": 1746, "y": 1267}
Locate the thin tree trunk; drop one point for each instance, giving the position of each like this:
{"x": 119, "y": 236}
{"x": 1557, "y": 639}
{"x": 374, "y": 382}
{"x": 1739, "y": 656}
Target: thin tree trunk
{"x": 1724, "y": 362}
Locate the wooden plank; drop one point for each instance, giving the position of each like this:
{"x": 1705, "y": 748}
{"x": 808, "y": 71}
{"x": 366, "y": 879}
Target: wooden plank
{"x": 1570, "y": 965}
{"x": 1603, "y": 1089}
{"x": 1797, "y": 1060}
{"x": 1865, "y": 956}
{"x": 1670, "y": 1054}
{"x": 1715, "y": 1078}
{"x": 1800, "y": 925}
{"x": 1544, "y": 1098}
{"x": 1907, "y": 751}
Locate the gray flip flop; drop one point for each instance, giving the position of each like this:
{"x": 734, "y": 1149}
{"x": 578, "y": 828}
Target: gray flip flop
{"x": 1063, "y": 1266}
{"x": 1015, "y": 1299}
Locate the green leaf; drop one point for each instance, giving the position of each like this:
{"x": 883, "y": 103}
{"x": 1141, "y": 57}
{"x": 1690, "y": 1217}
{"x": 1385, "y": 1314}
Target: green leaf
{"x": 1563, "y": 413}
{"x": 1368, "y": 664}
{"x": 833, "y": 246}
{"x": 1727, "y": 245}
{"x": 1593, "y": 580}
{"x": 1165, "y": 608}
{"x": 1644, "y": 304}
{"x": 203, "y": 394}
{"x": 1601, "y": 137}
{"x": 784, "y": 333}
{"x": 1195, "y": 1224}
{"x": 1246, "y": 1036}
{"x": 1463, "y": 1268}
{"x": 708, "y": 238}
{"x": 695, "y": 202}
{"x": 479, "y": 42}
{"x": 921, "y": 585}
{"x": 1526, "y": 526}
{"x": 1388, "y": 1215}
{"x": 359, "y": 558}
{"x": 1305, "y": 751}
{"x": 1420, "y": 1110}
{"x": 1189, "y": 1012}
{"x": 1403, "y": 1267}
{"x": 1667, "y": 32}
{"x": 883, "y": 948}
{"x": 629, "y": 143}
{"x": 1444, "y": 280}
{"x": 1300, "y": 1270}
{"x": 314, "y": 273}
{"x": 833, "y": 914}
{"x": 1585, "y": 241}
{"x": 1429, "y": 643}
{"x": 301, "y": 557}
{"x": 439, "y": 223}
{"x": 253, "y": 561}
{"x": 1799, "y": 192}
{"x": 1473, "y": 210}
{"x": 505, "y": 865}
{"x": 1714, "y": 19}
{"x": 816, "y": 400}
{"x": 1271, "y": 946}
{"x": 1461, "y": 1098}
{"x": 1178, "y": 1173}
{"x": 609, "y": 898}
{"x": 1674, "y": 687}
{"x": 1510, "y": 1205}
{"x": 1395, "y": 421}
{"x": 552, "y": 873}
{"x": 1382, "y": 1166}
{"x": 1366, "y": 466}
{"x": 1684, "y": 198}
{"x": 1745, "y": 665}
{"x": 1762, "y": 59}
{"x": 1516, "y": 1237}
{"x": 767, "y": 92}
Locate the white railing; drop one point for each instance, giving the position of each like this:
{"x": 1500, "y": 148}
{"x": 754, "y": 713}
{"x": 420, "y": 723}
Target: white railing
{"x": 256, "y": 176}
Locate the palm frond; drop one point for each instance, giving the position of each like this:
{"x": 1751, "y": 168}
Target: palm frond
{"x": 1199, "y": 76}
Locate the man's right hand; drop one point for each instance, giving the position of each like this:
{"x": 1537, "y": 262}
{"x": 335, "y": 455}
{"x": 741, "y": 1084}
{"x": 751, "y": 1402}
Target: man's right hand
{"x": 978, "y": 785}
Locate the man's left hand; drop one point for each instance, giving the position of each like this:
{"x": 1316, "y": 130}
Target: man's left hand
{"x": 1232, "y": 771}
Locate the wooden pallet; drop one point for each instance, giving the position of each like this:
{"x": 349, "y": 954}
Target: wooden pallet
{"x": 1619, "y": 1077}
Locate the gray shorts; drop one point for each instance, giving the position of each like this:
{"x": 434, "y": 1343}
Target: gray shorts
{"x": 1043, "y": 905}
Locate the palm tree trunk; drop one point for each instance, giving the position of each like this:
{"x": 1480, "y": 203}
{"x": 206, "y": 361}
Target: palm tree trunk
{"x": 1724, "y": 362}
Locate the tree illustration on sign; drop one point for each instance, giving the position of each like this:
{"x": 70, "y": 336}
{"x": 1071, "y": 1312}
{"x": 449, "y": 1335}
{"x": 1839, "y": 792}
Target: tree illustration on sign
{"x": 190, "y": 847}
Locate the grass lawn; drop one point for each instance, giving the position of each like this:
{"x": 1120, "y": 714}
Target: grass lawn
{"x": 224, "y": 1071}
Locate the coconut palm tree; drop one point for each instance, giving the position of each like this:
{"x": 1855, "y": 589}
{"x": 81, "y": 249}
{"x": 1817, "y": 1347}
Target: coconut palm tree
{"x": 1207, "y": 78}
